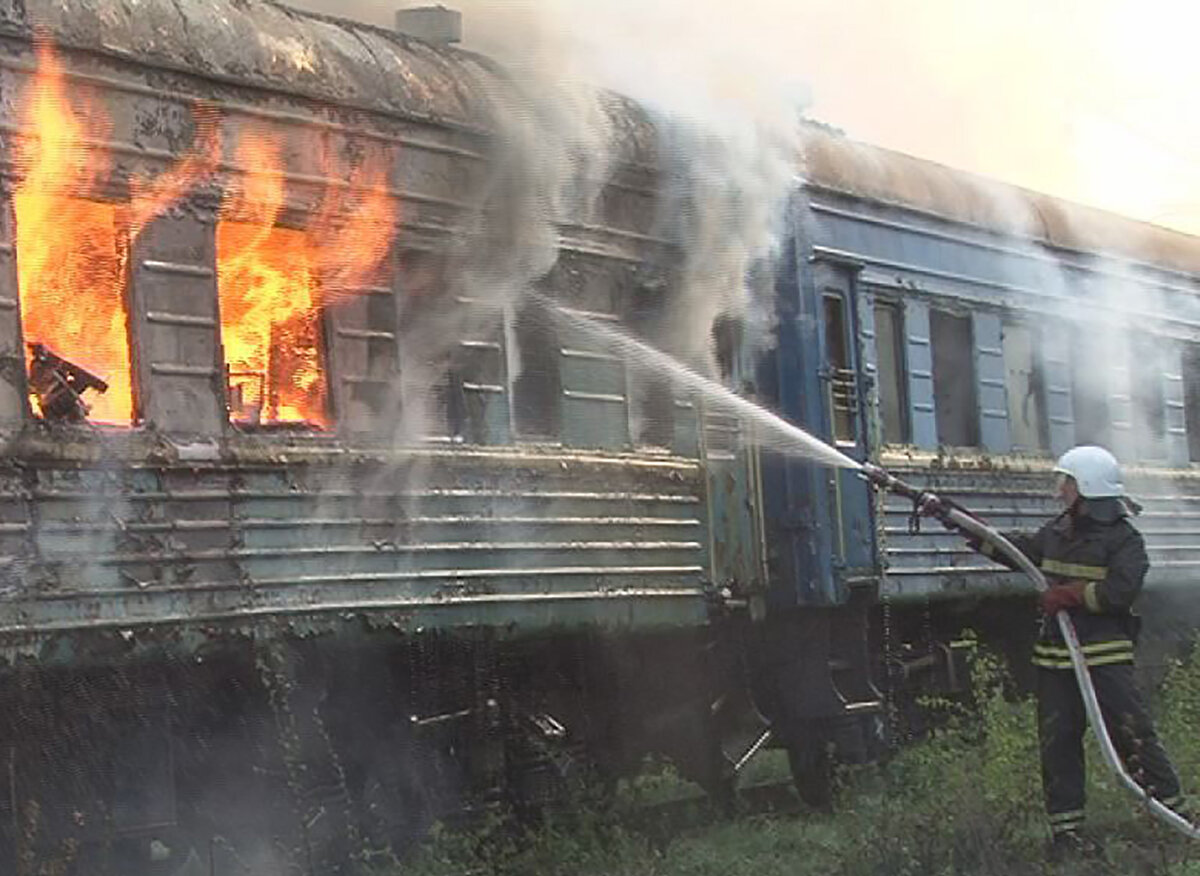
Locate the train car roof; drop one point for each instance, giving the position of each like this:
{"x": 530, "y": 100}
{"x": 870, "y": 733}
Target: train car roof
{"x": 269, "y": 45}
{"x": 266, "y": 44}
{"x": 834, "y": 161}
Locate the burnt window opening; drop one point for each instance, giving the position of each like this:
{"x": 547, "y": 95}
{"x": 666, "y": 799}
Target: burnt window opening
{"x": 1025, "y": 383}
{"x": 954, "y": 396}
{"x": 1149, "y": 398}
{"x": 651, "y": 392}
{"x": 452, "y": 356}
{"x": 537, "y": 387}
{"x": 842, "y": 391}
{"x": 889, "y": 356}
{"x": 1089, "y": 390}
{"x": 72, "y": 257}
{"x": 271, "y": 327}
{"x": 1190, "y": 362}
{"x": 475, "y": 395}
{"x": 727, "y": 331}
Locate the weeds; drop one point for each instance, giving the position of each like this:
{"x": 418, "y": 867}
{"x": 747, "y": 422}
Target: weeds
{"x": 967, "y": 800}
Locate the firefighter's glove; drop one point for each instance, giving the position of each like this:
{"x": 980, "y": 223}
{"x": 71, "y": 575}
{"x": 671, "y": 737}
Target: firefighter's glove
{"x": 974, "y": 542}
{"x": 1062, "y": 596}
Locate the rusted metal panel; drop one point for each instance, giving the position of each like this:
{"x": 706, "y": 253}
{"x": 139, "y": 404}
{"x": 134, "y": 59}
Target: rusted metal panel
{"x": 519, "y": 539}
{"x": 734, "y": 506}
{"x": 270, "y": 46}
{"x": 363, "y": 353}
{"x": 176, "y": 326}
{"x": 13, "y": 403}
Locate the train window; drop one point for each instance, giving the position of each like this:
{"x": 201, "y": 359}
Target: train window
{"x": 271, "y": 326}
{"x": 71, "y": 255}
{"x": 954, "y": 379}
{"x": 1089, "y": 391}
{"x": 651, "y": 393}
{"x": 843, "y": 397}
{"x": 1191, "y": 398}
{"x": 1149, "y": 398}
{"x": 1025, "y": 385}
{"x": 889, "y": 355}
{"x": 537, "y": 385}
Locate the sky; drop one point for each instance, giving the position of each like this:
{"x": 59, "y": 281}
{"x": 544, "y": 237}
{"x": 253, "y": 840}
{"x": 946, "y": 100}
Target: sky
{"x": 1090, "y": 100}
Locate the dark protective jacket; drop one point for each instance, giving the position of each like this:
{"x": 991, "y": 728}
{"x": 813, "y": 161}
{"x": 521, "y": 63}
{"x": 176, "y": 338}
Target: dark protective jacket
{"x": 1094, "y": 542}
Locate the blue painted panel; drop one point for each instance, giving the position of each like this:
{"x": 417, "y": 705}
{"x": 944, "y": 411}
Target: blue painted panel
{"x": 920, "y": 374}
{"x": 797, "y": 493}
{"x": 869, "y": 354}
{"x": 986, "y": 331}
{"x": 1060, "y": 412}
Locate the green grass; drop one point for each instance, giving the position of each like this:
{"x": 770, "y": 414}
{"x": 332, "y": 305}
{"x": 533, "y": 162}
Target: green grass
{"x": 965, "y": 801}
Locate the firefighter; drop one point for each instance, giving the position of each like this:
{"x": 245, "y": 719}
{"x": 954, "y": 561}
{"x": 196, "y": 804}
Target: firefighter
{"x": 1095, "y": 563}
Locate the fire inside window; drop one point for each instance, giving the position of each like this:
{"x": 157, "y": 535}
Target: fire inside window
{"x": 271, "y": 326}
{"x": 71, "y": 267}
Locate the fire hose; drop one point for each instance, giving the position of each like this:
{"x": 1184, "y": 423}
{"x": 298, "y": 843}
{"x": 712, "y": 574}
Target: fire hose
{"x": 929, "y": 504}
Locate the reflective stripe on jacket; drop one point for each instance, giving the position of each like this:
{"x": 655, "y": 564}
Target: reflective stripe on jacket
{"x": 1095, "y": 543}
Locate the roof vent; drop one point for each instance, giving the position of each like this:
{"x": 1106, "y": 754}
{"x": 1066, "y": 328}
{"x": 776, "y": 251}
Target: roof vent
{"x": 433, "y": 24}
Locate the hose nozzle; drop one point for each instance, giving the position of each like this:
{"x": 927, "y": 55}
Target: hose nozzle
{"x": 925, "y": 503}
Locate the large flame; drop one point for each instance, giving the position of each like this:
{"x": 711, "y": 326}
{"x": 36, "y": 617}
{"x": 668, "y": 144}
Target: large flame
{"x": 70, "y": 251}
{"x": 270, "y": 322}
{"x": 274, "y": 280}
{"x": 353, "y": 227}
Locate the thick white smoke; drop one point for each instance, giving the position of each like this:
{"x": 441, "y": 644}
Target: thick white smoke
{"x": 725, "y": 113}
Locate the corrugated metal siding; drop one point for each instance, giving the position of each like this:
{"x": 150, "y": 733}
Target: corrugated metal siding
{"x": 505, "y": 534}
{"x": 936, "y": 562}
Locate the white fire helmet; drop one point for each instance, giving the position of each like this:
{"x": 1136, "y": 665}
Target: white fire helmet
{"x": 1096, "y": 471}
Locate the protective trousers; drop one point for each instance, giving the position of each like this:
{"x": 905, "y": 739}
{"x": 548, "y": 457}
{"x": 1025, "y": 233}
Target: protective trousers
{"x": 1062, "y": 722}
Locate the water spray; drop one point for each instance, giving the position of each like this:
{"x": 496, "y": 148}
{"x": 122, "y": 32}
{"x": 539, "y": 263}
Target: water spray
{"x": 954, "y": 516}
{"x": 779, "y": 434}
{"x": 771, "y": 430}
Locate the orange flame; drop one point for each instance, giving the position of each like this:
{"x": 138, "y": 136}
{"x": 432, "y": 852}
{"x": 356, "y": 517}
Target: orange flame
{"x": 353, "y": 228}
{"x": 70, "y": 253}
{"x": 272, "y": 281}
{"x": 270, "y": 322}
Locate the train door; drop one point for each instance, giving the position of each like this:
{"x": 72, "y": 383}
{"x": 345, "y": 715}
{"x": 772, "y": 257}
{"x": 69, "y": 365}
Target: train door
{"x": 844, "y": 394}
{"x": 821, "y": 539}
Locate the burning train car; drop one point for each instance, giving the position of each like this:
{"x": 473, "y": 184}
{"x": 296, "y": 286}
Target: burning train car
{"x": 308, "y": 542}
{"x": 305, "y": 543}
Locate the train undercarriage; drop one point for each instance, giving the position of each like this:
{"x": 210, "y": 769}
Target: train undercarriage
{"x": 269, "y": 751}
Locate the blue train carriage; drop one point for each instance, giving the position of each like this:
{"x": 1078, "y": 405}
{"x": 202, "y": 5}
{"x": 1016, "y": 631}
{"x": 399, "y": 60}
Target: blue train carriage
{"x": 997, "y": 328}
{"x": 231, "y": 635}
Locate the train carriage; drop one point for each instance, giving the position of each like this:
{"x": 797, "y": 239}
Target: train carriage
{"x": 307, "y": 541}
{"x": 997, "y": 327}
{"x": 314, "y": 532}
